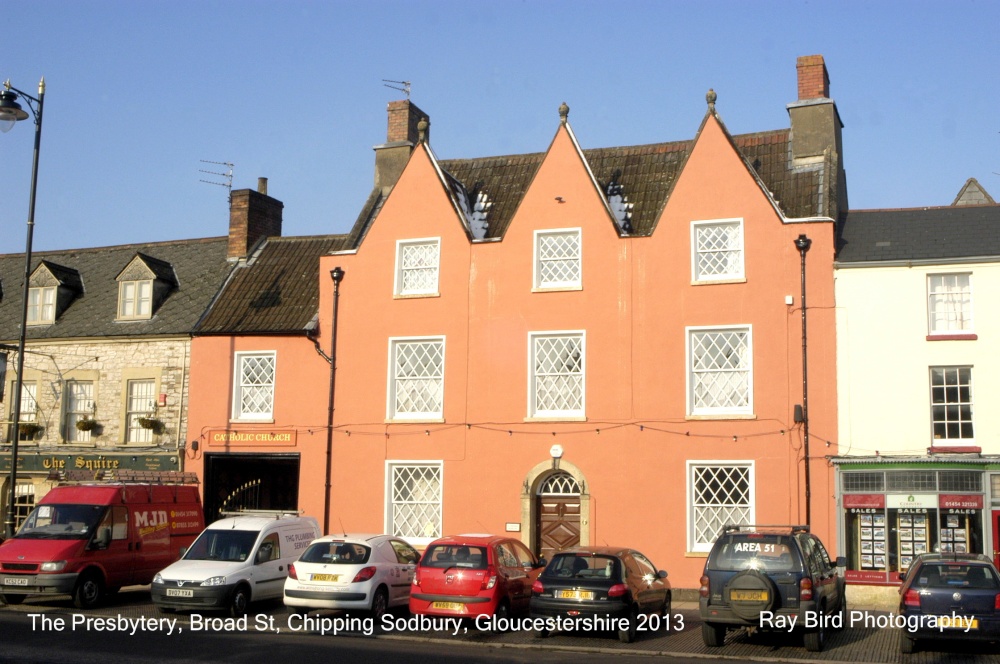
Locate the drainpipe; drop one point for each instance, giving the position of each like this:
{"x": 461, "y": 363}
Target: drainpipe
{"x": 802, "y": 243}
{"x": 337, "y": 274}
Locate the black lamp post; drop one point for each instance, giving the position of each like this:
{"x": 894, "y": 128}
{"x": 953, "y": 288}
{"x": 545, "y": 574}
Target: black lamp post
{"x": 337, "y": 274}
{"x": 802, "y": 243}
{"x": 11, "y": 112}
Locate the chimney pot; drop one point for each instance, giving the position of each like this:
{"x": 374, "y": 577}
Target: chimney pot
{"x": 262, "y": 186}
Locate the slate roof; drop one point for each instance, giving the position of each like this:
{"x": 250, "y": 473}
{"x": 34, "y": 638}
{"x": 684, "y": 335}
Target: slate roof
{"x": 920, "y": 234}
{"x": 646, "y": 174}
{"x": 200, "y": 267}
{"x": 276, "y": 291}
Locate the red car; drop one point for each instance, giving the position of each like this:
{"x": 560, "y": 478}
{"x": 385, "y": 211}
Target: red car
{"x": 472, "y": 575}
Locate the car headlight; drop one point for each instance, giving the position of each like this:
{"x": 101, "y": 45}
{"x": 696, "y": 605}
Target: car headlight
{"x": 55, "y": 566}
{"x": 214, "y": 581}
{"x": 158, "y": 578}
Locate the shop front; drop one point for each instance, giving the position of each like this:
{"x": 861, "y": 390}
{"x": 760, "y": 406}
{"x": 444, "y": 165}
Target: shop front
{"x": 892, "y": 510}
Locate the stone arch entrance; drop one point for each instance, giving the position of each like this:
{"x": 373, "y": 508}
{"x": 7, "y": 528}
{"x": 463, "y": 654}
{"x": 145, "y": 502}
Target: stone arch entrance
{"x": 555, "y": 508}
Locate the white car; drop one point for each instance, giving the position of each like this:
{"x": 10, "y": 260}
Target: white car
{"x": 364, "y": 572}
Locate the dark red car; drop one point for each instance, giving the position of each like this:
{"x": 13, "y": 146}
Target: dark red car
{"x": 473, "y": 575}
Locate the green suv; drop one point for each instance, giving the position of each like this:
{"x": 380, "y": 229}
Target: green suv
{"x": 771, "y": 578}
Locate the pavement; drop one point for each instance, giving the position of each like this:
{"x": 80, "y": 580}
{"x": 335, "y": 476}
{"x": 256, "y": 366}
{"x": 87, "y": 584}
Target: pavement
{"x": 864, "y": 641}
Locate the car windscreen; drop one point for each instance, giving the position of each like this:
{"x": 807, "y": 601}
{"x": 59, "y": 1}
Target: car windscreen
{"x": 765, "y": 552}
{"x": 956, "y": 575}
{"x": 586, "y": 566}
{"x": 225, "y": 545}
{"x": 454, "y": 555}
{"x": 336, "y": 553}
{"x": 58, "y": 521}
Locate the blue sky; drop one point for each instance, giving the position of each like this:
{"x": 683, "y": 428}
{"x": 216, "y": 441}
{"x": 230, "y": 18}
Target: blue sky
{"x": 139, "y": 92}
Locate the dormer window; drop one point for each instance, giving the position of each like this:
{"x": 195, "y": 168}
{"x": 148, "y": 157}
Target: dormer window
{"x": 42, "y": 305}
{"x": 143, "y": 285}
{"x": 135, "y": 299}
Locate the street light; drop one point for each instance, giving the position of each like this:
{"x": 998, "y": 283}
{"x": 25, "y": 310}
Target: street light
{"x": 337, "y": 274}
{"x": 802, "y": 243}
{"x": 11, "y": 112}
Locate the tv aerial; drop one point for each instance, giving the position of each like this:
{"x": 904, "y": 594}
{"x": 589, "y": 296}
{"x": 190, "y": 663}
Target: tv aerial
{"x": 228, "y": 176}
{"x": 405, "y": 89}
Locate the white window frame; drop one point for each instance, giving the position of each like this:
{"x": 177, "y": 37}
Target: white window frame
{"x": 717, "y": 411}
{"x": 430, "y": 530}
{"x": 943, "y": 298}
{"x": 946, "y": 405}
{"x": 538, "y": 413}
{"x": 42, "y": 305}
{"x": 238, "y": 387}
{"x": 399, "y": 288}
{"x": 78, "y": 407}
{"x": 705, "y": 545}
{"x": 738, "y": 271}
{"x": 395, "y": 343}
{"x": 135, "y": 299}
{"x": 537, "y": 279}
{"x": 136, "y": 406}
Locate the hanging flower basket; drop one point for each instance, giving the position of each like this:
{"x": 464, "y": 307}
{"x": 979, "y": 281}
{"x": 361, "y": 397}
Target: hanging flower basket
{"x": 149, "y": 422}
{"x": 29, "y": 429}
{"x": 86, "y": 424}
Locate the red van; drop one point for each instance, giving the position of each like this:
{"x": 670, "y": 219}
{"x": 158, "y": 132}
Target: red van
{"x": 86, "y": 540}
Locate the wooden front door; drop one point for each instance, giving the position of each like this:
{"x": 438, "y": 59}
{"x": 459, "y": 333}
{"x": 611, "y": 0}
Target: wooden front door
{"x": 558, "y": 514}
{"x": 996, "y": 537}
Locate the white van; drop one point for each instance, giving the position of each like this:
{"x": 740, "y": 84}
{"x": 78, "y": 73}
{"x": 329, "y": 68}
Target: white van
{"x": 235, "y": 561}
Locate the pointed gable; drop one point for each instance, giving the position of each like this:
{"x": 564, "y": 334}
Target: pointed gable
{"x": 972, "y": 193}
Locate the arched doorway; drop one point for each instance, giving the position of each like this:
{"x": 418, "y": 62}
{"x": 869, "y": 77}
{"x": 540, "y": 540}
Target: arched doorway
{"x": 555, "y": 509}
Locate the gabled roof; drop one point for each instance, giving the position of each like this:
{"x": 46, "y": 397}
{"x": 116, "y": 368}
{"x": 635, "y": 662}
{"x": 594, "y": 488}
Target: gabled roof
{"x": 646, "y": 174}
{"x": 154, "y": 268}
{"x": 972, "y": 193}
{"x": 920, "y": 234}
{"x": 49, "y": 273}
{"x": 275, "y": 292}
{"x": 200, "y": 265}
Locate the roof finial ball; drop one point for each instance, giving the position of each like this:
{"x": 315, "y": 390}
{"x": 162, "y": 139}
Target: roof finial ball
{"x": 563, "y": 112}
{"x": 422, "y": 130}
{"x": 710, "y": 97}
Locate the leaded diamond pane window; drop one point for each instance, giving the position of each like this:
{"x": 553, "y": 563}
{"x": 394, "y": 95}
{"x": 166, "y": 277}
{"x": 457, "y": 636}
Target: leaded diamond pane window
{"x": 415, "y": 501}
{"x": 718, "y": 251}
{"x": 418, "y": 378}
{"x": 254, "y": 398}
{"x": 418, "y": 266}
{"x": 558, "y": 259}
{"x": 951, "y": 403}
{"x": 557, "y": 375}
{"x": 720, "y": 371}
{"x": 949, "y": 303}
{"x": 721, "y": 495}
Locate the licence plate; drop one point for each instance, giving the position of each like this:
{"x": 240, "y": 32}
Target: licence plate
{"x": 574, "y": 594}
{"x": 15, "y": 581}
{"x": 748, "y": 595}
{"x": 325, "y": 577}
{"x": 957, "y": 623}
{"x": 180, "y": 592}
{"x": 448, "y": 606}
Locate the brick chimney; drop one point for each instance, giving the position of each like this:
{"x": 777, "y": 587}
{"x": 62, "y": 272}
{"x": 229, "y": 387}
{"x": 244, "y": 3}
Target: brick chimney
{"x": 253, "y": 216}
{"x": 402, "y": 135}
{"x": 816, "y": 125}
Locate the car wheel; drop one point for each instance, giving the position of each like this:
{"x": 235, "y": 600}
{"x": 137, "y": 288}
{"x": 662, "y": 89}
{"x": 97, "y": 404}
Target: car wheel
{"x": 626, "y": 633}
{"x": 907, "y": 645}
{"x": 815, "y": 639}
{"x": 380, "y": 604}
{"x": 541, "y": 633}
{"x": 503, "y": 611}
{"x": 239, "y": 602}
{"x": 12, "y": 599}
{"x": 843, "y": 613}
{"x": 665, "y": 616}
{"x": 88, "y": 591}
{"x": 165, "y": 609}
{"x": 713, "y": 635}
{"x": 751, "y": 580}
